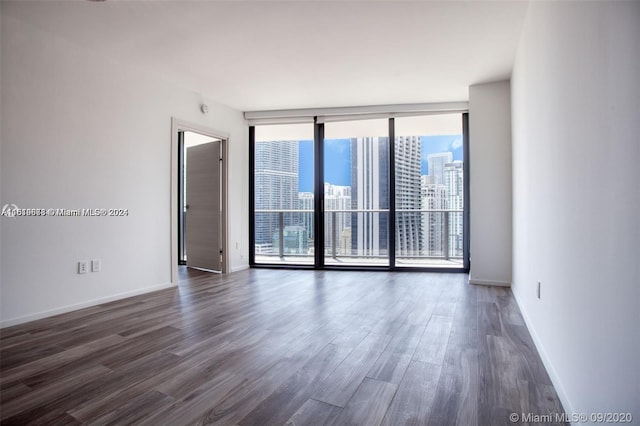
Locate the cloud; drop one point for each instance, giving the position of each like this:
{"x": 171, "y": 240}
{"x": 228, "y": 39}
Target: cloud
{"x": 457, "y": 143}
{"x": 435, "y": 144}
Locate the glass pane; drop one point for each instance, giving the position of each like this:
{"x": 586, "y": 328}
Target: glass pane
{"x": 284, "y": 194}
{"x": 356, "y": 187}
{"x": 429, "y": 191}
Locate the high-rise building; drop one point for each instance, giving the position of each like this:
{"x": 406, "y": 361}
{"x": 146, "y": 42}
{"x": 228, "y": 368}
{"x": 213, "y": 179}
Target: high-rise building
{"x": 276, "y": 176}
{"x": 442, "y": 189}
{"x": 407, "y": 152}
{"x": 369, "y": 191}
{"x": 436, "y": 163}
{"x": 455, "y": 201}
{"x": 433, "y": 197}
{"x": 336, "y": 199}
{"x": 295, "y": 240}
{"x": 305, "y": 202}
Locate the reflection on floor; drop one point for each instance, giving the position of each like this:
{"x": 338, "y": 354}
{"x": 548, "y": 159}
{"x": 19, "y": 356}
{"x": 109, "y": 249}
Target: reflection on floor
{"x": 273, "y": 347}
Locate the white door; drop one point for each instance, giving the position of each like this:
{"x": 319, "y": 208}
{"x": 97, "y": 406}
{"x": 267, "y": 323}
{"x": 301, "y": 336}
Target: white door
{"x": 202, "y": 221}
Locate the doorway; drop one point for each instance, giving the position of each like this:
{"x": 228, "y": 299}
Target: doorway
{"x": 199, "y": 217}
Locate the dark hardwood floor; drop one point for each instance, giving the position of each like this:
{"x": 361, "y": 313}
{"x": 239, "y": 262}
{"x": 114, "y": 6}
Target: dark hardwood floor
{"x": 274, "y": 347}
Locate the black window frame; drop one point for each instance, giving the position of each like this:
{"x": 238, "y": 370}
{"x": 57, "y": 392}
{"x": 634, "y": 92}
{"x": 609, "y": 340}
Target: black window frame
{"x": 319, "y": 263}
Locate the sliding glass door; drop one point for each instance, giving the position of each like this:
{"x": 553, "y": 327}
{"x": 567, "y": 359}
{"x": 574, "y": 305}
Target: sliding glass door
{"x": 356, "y": 193}
{"x": 373, "y": 193}
{"x": 429, "y": 190}
{"x": 283, "y": 213}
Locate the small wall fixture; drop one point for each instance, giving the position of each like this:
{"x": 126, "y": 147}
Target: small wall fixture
{"x": 204, "y": 108}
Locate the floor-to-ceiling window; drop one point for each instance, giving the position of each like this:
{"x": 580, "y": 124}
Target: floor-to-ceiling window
{"x": 356, "y": 193}
{"x": 283, "y": 211}
{"x": 366, "y": 193}
{"x": 429, "y": 190}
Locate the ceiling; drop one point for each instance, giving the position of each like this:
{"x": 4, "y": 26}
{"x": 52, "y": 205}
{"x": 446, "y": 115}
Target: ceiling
{"x": 262, "y": 55}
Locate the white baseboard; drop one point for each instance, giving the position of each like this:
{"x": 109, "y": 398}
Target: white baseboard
{"x": 240, "y": 268}
{"x": 76, "y": 306}
{"x": 555, "y": 379}
{"x": 489, "y": 282}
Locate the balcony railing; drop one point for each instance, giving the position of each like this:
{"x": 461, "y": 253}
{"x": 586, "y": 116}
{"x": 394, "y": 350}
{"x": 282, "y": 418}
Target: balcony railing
{"x": 423, "y": 236}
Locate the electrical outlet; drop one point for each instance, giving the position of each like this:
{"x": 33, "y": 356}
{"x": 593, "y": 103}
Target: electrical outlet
{"x": 96, "y": 265}
{"x": 83, "y": 267}
{"x": 539, "y": 289}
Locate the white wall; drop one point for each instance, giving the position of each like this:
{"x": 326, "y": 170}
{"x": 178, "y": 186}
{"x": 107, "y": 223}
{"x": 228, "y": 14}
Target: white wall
{"x": 1, "y": 96}
{"x": 490, "y": 183}
{"x": 576, "y": 153}
{"x": 80, "y": 131}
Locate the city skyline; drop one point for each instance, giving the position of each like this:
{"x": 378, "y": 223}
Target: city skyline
{"x": 429, "y": 176}
{"x": 338, "y": 170}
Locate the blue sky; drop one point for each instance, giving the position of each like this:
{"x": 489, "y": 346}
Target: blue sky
{"x": 337, "y": 158}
